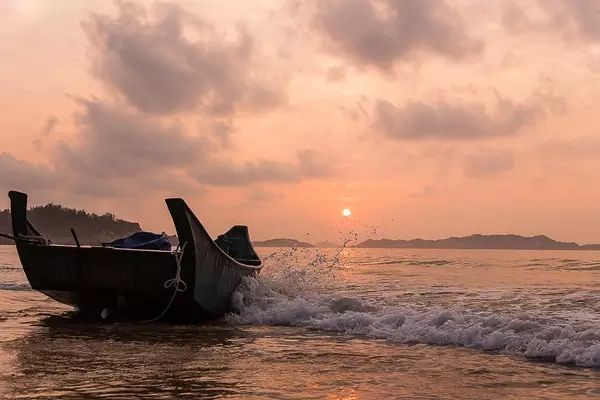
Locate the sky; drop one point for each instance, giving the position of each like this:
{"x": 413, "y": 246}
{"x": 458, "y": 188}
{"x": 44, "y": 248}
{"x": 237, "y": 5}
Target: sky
{"x": 426, "y": 118}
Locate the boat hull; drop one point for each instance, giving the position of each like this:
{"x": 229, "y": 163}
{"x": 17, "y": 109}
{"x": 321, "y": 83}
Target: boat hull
{"x": 127, "y": 283}
{"x": 134, "y": 283}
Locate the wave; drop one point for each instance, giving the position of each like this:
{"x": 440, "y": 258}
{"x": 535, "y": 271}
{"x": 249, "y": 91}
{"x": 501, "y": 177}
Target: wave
{"x": 15, "y": 286}
{"x": 560, "y": 340}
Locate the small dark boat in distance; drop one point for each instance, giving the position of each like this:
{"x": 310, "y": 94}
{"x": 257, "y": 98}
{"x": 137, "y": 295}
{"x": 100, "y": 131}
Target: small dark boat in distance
{"x": 193, "y": 283}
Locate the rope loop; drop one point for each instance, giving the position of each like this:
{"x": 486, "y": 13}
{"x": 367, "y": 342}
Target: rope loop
{"x": 176, "y": 282}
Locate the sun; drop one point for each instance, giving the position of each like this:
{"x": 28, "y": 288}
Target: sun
{"x": 346, "y": 212}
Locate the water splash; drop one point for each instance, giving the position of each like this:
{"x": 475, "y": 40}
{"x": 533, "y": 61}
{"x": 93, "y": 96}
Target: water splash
{"x": 524, "y": 334}
{"x": 302, "y": 287}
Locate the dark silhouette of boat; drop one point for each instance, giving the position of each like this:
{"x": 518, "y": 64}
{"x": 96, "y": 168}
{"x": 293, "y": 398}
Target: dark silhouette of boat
{"x": 192, "y": 283}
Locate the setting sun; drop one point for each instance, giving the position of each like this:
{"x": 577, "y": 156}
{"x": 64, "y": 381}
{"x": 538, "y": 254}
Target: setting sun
{"x": 346, "y": 212}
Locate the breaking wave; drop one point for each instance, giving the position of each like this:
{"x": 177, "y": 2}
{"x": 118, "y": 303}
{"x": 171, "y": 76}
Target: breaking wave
{"x": 529, "y": 335}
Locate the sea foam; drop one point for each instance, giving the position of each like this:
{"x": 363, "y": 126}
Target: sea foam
{"x": 560, "y": 340}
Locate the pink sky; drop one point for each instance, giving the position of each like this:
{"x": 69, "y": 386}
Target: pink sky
{"x": 427, "y": 118}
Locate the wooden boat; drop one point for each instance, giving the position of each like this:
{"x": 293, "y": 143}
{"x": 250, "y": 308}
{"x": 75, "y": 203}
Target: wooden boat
{"x": 194, "y": 282}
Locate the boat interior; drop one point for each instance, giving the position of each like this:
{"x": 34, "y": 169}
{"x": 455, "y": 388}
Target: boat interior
{"x": 236, "y": 243}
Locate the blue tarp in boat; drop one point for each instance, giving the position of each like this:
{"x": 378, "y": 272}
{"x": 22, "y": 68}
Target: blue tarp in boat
{"x": 142, "y": 240}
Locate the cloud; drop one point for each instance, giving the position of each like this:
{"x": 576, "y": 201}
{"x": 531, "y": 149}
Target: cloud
{"x": 488, "y": 162}
{"x": 164, "y": 67}
{"x": 261, "y": 195}
{"x": 116, "y": 145}
{"x": 514, "y": 18}
{"x": 308, "y": 164}
{"x": 113, "y": 142}
{"x": 418, "y": 120}
{"x": 576, "y": 149}
{"x": 222, "y": 131}
{"x": 173, "y": 61}
{"x": 578, "y": 17}
{"x": 47, "y": 129}
{"x": 232, "y": 174}
{"x": 335, "y": 74}
{"x": 49, "y": 126}
{"x": 379, "y": 33}
{"x": 573, "y": 19}
{"x": 313, "y": 164}
{"x": 22, "y": 175}
{"x": 117, "y": 151}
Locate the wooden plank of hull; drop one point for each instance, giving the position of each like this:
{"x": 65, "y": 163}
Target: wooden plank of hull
{"x": 217, "y": 277}
{"x": 96, "y": 268}
{"x": 94, "y": 278}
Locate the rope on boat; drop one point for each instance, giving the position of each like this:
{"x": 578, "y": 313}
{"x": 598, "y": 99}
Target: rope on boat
{"x": 25, "y": 238}
{"x": 177, "y": 283}
{"x": 34, "y": 239}
{"x": 4, "y": 235}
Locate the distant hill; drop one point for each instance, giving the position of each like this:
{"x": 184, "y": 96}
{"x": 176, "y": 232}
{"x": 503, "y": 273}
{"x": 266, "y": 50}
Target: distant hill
{"x": 281, "y": 243}
{"x": 5, "y": 226}
{"x": 55, "y": 221}
{"x": 509, "y": 242}
{"x": 590, "y": 247}
{"x": 477, "y": 241}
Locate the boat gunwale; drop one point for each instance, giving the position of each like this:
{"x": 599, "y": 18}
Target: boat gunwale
{"x": 89, "y": 247}
{"x": 248, "y": 266}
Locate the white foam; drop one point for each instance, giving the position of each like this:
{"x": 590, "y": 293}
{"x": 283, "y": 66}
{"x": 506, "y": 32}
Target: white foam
{"x": 561, "y": 340}
{"x": 15, "y": 286}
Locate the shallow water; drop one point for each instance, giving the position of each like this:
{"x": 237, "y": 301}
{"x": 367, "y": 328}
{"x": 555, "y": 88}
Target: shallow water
{"x": 361, "y": 323}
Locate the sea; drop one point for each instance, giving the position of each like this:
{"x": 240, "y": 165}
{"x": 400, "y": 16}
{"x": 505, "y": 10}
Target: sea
{"x": 331, "y": 324}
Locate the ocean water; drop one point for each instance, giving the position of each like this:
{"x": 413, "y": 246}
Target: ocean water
{"x": 333, "y": 324}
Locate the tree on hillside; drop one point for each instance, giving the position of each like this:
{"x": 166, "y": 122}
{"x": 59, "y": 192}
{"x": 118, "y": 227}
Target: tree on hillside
{"x": 55, "y": 221}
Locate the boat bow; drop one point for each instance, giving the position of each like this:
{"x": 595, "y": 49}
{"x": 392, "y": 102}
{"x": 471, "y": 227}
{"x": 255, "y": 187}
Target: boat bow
{"x": 215, "y": 273}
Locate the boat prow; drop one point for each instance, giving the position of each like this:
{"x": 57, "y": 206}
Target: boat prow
{"x": 218, "y": 271}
